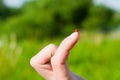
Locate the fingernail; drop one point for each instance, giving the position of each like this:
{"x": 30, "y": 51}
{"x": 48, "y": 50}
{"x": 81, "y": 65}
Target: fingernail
{"x": 74, "y": 34}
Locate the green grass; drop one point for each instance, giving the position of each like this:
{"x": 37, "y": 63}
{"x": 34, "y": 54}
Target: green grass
{"x": 95, "y": 57}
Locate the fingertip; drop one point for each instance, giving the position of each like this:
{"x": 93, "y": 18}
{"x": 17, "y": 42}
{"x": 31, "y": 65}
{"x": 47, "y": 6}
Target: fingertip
{"x": 74, "y": 35}
{"x": 51, "y": 45}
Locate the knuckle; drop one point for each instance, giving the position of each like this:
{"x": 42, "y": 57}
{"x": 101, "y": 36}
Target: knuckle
{"x": 56, "y": 63}
{"x": 52, "y": 45}
{"x": 33, "y": 62}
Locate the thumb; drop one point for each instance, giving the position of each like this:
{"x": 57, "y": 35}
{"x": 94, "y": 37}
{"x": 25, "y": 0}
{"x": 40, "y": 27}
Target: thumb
{"x": 59, "y": 59}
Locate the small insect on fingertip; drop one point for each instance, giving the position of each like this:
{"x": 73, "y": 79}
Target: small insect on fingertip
{"x": 76, "y": 30}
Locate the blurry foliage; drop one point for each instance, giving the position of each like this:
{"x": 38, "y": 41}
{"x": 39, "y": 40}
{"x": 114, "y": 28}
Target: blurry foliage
{"x": 6, "y": 12}
{"x": 99, "y": 17}
{"x": 52, "y": 18}
{"x": 95, "y": 56}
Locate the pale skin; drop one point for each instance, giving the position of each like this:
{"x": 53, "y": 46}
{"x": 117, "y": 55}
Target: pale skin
{"x": 50, "y": 62}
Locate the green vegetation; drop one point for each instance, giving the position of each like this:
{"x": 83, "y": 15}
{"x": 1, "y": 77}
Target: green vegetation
{"x": 26, "y": 30}
{"x": 56, "y": 18}
{"x": 94, "y": 57}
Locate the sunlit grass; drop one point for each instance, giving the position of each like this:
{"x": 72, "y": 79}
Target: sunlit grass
{"x": 95, "y": 57}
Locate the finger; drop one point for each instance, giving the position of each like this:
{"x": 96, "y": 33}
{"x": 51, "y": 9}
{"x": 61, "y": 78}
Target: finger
{"x": 41, "y": 61}
{"x": 60, "y": 57}
{"x": 44, "y": 55}
{"x": 65, "y": 46}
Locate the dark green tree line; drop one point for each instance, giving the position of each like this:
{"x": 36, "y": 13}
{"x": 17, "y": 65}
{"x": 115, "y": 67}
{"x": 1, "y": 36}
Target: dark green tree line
{"x": 51, "y": 18}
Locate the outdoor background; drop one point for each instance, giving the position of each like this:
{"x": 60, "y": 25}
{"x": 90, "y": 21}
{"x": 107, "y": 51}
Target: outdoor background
{"x": 26, "y": 26}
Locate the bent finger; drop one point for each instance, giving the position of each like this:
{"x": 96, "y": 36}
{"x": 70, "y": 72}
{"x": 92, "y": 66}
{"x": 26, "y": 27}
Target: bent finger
{"x": 44, "y": 55}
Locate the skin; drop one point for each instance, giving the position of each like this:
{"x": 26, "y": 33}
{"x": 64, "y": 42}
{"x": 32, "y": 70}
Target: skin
{"x": 50, "y": 62}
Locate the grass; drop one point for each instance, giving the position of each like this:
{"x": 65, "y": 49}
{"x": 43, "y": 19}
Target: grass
{"x": 95, "y": 57}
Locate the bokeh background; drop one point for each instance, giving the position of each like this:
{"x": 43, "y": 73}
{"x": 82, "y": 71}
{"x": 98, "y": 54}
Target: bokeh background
{"x": 26, "y": 26}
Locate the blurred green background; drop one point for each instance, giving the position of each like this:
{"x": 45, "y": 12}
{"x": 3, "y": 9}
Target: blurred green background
{"x": 26, "y": 29}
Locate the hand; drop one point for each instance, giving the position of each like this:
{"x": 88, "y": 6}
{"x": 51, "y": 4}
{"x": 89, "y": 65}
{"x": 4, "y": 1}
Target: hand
{"x": 50, "y": 62}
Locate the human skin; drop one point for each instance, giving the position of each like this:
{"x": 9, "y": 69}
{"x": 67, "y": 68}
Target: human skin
{"x": 50, "y": 62}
